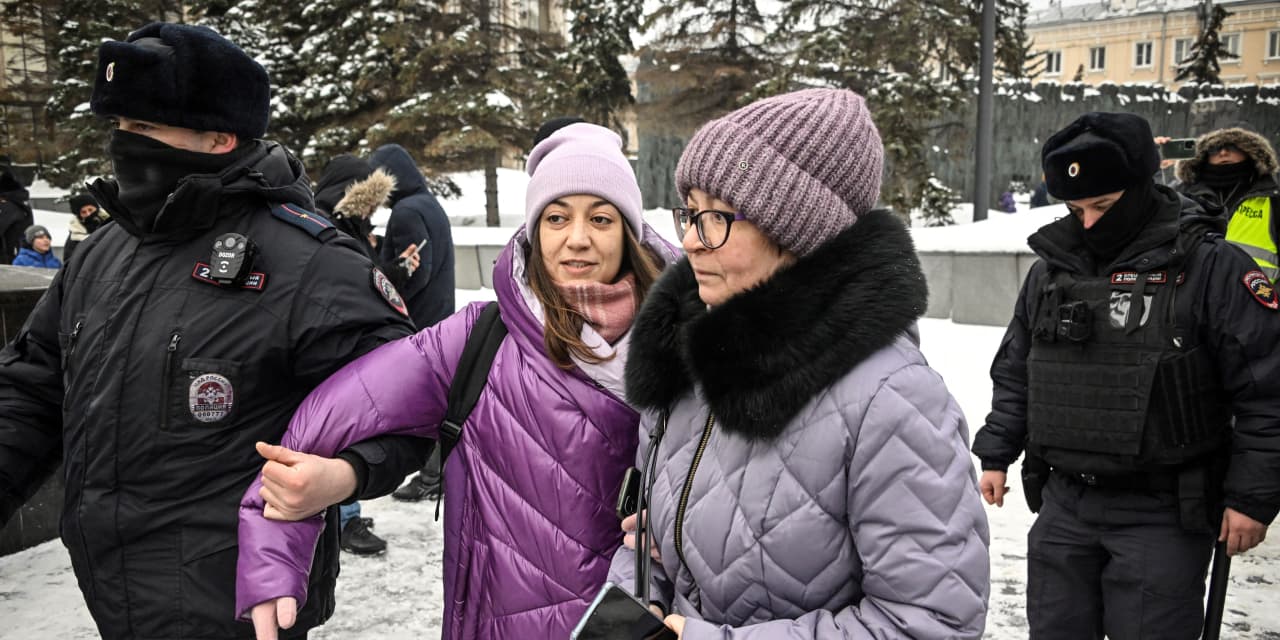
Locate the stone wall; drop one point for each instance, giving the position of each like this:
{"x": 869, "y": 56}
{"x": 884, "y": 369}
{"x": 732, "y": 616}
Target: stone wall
{"x": 37, "y": 521}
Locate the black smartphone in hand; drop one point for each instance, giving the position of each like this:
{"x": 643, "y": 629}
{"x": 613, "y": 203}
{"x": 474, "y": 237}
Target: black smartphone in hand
{"x": 1178, "y": 149}
{"x": 616, "y": 615}
{"x": 628, "y": 494}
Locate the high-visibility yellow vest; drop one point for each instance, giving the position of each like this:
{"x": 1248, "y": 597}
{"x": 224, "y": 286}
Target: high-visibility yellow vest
{"x": 1250, "y": 229}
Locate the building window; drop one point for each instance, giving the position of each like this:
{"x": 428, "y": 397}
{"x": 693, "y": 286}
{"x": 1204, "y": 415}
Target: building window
{"x": 1181, "y": 50}
{"x": 1231, "y": 42}
{"x": 1052, "y": 63}
{"x": 1273, "y": 45}
{"x": 1142, "y": 54}
{"x": 1097, "y": 58}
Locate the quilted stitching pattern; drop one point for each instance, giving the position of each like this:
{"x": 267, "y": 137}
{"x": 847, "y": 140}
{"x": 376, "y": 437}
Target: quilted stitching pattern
{"x": 865, "y": 508}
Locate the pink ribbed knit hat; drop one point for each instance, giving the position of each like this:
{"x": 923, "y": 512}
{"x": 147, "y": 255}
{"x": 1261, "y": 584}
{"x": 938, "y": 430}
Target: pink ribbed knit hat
{"x": 582, "y": 158}
{"x": 802, "y": 166}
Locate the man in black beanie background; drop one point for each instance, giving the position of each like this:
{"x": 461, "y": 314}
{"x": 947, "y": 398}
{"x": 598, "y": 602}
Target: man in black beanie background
{"x": 187, "y": 329}
{"x": 86, "y": 217}
{"x": 1150, "y": 421}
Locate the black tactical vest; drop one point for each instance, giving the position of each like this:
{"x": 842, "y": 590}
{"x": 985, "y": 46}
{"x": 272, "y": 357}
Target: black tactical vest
{"x": 1115, "y": 384}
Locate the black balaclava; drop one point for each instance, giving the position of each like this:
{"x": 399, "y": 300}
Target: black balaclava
{"x": 1122, "y": 223}
{"x": 1225, "y": 179}
{"x": 148, "y": 170}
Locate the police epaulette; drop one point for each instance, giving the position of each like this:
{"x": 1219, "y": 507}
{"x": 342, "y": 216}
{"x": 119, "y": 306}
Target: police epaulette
{"x": 313, "y": 223}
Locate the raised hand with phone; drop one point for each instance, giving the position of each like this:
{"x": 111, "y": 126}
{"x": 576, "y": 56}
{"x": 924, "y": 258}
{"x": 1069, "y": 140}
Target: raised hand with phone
{"x": 409, "y": 258}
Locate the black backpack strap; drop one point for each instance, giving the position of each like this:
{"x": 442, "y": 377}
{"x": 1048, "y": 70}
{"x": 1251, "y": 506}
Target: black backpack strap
{"x": 472, "y": 374}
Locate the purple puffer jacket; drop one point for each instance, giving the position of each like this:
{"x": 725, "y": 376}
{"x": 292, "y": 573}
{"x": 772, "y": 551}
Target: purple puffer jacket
{"x": 814, "y": 481}
{"x": 529, "y": 490}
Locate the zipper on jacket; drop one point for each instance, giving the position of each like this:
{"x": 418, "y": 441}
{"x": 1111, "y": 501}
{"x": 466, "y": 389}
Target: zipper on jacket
{"x": 65, "y": 359}
{"x": 164, "y": 379}
{"x": 75, "y": 334}
{"x": 688, "y": 486}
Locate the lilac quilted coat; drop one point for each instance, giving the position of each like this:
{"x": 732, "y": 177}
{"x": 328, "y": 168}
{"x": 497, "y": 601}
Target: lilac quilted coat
{"x": 814, "y": 480}
{"x": 529, "y": 491}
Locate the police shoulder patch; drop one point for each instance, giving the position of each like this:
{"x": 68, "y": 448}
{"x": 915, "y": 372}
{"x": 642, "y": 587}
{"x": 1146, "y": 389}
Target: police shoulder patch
{"x": 388, "y": 292}
{"x": 1260, "y": 287}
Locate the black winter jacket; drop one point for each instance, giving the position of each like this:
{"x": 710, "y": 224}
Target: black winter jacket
{"x": 415, "y": 215}
{"x": 152, "y": 385}
{"x": 1242, "y": 334}
{"x": 15, "y": 216}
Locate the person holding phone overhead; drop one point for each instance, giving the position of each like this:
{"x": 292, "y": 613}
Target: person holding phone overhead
{"x": 531, "y": 485}
{"x": 812, "y": 477}
{"x": 1233, "y": 170}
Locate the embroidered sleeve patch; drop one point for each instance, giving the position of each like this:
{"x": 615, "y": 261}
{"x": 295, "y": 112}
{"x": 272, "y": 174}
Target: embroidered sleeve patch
{"x": 1260, "y": 286}
{"x": 388, "y": 292}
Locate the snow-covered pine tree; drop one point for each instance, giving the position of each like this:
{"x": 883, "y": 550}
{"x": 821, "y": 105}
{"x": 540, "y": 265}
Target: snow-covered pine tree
{"x": 936, "y": 202}
{"x": 1015, "y": 56}
{"x": 346, "y": 75}
{"x": 1203, "y": 64}
{"x": 707, "y": 58}
{"x": 599, "y": 33}
{"x": 472, "y": 83}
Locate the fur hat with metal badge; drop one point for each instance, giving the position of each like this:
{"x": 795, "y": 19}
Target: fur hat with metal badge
{"x": 1097, "y": 154}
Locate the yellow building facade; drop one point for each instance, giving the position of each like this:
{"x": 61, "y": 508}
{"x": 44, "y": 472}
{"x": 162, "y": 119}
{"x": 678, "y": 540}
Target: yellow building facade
{"x": 1142, "y": 40}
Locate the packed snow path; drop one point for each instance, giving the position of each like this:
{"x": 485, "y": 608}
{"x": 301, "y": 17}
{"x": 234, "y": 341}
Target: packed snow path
{"x": 398, "y": 596}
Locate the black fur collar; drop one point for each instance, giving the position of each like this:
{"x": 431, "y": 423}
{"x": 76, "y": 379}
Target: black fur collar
{"x": 762, "y": 355}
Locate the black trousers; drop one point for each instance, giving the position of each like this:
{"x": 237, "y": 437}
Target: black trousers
{"x": 1117, "y": 563}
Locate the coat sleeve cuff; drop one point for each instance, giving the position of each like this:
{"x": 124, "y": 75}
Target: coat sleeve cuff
{"x": 1264, "y": 513}
{"x": 361, "y": 467}
{"x": 992, "y": 465}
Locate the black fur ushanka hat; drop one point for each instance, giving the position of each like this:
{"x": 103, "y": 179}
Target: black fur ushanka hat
{"x": 1097, "y": 154}
{"x": 184, "y": 76}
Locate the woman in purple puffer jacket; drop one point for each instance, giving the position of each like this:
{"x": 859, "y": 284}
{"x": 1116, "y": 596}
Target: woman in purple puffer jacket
{"x": 813, "y": 479}
{"x": 530, "y": 489}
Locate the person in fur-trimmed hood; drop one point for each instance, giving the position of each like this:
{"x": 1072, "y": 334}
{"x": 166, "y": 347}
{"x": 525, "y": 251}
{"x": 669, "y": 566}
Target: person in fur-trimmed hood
{"x": 1234, "y": 170}
{"x": 810, "y": 453}
{"x": 349, "y": 191}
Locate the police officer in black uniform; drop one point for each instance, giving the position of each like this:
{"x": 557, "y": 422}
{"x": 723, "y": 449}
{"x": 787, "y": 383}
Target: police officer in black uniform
{"x": 1141, "y": 376}
{"x": 187, "y": 329}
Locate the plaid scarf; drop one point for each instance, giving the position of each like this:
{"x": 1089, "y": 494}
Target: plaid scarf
{"x": 608, "y": 308}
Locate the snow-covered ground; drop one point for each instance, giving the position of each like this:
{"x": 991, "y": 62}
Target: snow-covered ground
{"x": 397, "y": 596}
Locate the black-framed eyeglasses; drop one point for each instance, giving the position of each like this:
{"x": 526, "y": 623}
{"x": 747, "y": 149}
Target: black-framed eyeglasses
{"x": 713, "y": 226}
{"x": 1224, "y": 147}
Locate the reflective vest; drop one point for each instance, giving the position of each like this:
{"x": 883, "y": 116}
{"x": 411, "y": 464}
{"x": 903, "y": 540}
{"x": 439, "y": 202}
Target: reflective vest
{"x": 1115, "y": 384}
{"x": 1250, "y": 229}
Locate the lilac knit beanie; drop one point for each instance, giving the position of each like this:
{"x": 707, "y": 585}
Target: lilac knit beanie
{"x": 802, "y": 166}
{"x": 582, "y": 158}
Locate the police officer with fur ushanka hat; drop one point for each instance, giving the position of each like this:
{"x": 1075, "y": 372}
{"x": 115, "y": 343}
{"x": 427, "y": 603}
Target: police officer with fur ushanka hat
{"x": 1139, "y": 377}
{"x": 187, "y": 329}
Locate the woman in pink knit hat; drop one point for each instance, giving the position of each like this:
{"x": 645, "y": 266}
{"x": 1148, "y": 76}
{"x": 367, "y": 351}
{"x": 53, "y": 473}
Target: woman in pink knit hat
{"x": 811, "y": 474}
{"x": 531, "y": 485}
